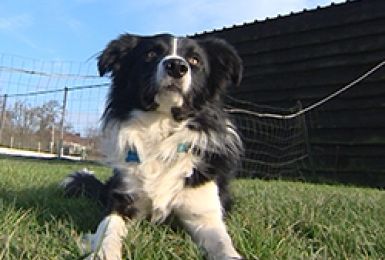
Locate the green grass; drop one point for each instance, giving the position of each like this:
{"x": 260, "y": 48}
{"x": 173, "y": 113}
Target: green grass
{"x": 271, "y": 220}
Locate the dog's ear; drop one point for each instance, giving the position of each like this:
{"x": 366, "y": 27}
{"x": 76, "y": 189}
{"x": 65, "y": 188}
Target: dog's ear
{"x": 116, "y": 50}
{"x": 224, "y": 60}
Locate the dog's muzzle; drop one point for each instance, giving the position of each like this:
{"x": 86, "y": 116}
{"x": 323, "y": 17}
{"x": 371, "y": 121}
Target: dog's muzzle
{"x": 173, "y": 74}
{"x": 175, "y": 68}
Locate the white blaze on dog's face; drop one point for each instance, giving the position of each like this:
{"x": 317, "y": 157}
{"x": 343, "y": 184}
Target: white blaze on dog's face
{"x": 173, "y": 77}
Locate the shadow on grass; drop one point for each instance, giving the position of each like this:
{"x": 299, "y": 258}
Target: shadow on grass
{"x": 48, "y": 204}
{"x": 46, "y": 200}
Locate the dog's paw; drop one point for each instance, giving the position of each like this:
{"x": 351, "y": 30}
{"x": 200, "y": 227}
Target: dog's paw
{"x": 92, "y": 256}
{"x": 236, "y": 258}
{"x": 102, "y": 256}
{"x": 242, "y": 258}
{"x": 227, "y": 257}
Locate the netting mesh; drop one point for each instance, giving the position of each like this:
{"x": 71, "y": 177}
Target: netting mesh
{"x": 33, "y": 99}
{"x": 273, "y": 147}
{"x": 34, "y": 94}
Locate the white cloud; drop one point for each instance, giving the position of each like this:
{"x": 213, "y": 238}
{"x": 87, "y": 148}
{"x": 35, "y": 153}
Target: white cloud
{"x": 74, "y": 24}
{"x": 86, "y": 1}
{"x": 16, "y": 22}
{"x": 14, "y": 25}
{"x": 18, "y": 27}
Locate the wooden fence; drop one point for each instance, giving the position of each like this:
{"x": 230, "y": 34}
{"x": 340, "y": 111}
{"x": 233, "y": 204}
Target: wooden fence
{"x": 306, "y": 56}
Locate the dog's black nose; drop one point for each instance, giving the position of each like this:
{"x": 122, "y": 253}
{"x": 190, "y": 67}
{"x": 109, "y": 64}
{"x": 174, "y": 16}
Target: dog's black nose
{"x": 175, "y": 68}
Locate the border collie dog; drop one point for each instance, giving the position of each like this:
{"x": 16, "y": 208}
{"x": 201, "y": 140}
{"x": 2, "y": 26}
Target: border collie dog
{"x": 172, "y": 146}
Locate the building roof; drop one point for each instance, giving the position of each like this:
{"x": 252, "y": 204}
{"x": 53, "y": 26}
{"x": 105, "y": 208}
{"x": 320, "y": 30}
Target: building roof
{"x": 279, "y": 17}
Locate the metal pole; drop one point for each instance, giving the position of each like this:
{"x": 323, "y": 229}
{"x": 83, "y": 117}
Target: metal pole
{"x": 63, "y": 113}
{"x": 3, "y": 115}
{"x": 52, "y": 143}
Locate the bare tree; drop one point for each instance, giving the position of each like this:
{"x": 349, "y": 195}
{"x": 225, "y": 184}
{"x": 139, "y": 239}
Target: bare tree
{"x": 34, "y": 126}
{"x": 23, "y": 118}
{"x": 93, "y": 135}
{"x": 48, "y": 115}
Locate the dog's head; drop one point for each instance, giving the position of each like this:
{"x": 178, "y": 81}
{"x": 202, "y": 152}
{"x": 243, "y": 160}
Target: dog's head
{"x": 171, "y": 74}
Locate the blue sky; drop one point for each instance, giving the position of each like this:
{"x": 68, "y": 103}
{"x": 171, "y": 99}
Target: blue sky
{"x": 70, "y": 32}
{"x": 77, "y": 29}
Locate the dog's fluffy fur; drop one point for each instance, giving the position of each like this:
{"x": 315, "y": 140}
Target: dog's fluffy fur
{"x": 165, "y": 106}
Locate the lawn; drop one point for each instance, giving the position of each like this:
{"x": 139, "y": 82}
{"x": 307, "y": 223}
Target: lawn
{"x": 271, "y": 219}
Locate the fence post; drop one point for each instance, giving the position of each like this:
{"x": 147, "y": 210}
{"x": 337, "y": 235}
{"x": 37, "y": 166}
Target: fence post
{"x": 3, "y": 115}
{"x": 307, "y": 141}
{"x": 63, "y": 113}
{"x": 52, "y": 142}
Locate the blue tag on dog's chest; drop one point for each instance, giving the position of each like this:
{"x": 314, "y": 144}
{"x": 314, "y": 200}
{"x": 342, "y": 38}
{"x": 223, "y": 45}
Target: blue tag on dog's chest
{"x": 183, "y": 148}
{"x": 132, "y": 156}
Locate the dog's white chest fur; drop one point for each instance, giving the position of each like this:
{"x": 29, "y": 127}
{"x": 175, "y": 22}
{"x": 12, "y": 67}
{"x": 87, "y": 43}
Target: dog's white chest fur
{"x": 160, "y": 175}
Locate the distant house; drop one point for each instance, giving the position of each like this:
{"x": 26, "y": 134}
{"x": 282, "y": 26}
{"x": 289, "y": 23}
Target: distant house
{"x": 74, "y": 144}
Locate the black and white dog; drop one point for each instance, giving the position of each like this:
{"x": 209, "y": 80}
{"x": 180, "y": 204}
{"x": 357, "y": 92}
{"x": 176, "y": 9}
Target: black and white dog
{"x": 172, "y": 146}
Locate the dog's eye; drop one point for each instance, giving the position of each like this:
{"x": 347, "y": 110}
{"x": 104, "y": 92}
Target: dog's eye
{"x": 151, "y": 54}
{"x": 193, "y": 60}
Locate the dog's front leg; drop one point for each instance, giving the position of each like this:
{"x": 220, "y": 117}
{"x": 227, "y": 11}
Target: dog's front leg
{"x": 201, "y": 214}
{"x": 106, "y": 243}
{"x": 209, "y": 231}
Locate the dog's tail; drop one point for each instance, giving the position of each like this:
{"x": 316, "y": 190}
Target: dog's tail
{"x": 84, "y": 183}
